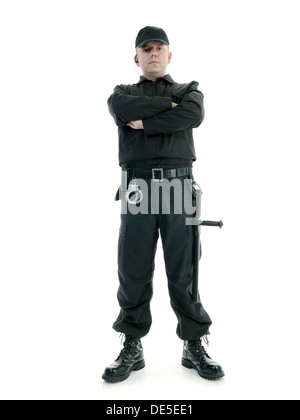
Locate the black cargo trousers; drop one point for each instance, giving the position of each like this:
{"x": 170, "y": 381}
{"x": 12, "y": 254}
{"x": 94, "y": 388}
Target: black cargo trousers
{"x": 138, "y": 237}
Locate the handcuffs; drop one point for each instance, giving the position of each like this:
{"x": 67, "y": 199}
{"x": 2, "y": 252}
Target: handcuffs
{"x": 134, "y": 195}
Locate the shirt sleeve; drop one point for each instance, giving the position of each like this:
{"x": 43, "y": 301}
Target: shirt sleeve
{"x": 188, "y": 114}
{"x": 125, "y": 108}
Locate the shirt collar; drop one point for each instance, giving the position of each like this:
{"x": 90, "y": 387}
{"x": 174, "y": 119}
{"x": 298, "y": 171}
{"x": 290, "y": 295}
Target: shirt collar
{"x": 167, "y": 77}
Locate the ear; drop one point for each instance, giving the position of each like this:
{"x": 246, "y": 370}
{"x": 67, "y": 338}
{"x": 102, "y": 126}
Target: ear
{"x": 136, "y": 60}
{"x": 169, "y": 57}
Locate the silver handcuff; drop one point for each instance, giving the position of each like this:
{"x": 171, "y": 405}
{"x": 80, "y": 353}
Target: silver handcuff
{"x": 134, "y": 195}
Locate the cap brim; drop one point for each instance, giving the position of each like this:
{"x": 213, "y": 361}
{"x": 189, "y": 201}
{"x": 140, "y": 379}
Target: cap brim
{"x": 151, "y": 39}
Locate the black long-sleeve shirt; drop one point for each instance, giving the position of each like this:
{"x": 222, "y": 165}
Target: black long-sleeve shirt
{"x": 167, "y": 139}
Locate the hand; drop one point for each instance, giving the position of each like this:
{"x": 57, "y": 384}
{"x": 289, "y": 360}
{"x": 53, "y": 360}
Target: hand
{"x": 136, "y": 125}
{"x": 174, "y": 104}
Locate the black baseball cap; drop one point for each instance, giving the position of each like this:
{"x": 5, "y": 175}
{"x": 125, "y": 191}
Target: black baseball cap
{"x": 151, "y": 33}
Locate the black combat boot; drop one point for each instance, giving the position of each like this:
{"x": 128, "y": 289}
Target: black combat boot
{"x": 130, "y": 358}
{"x": 195, "y": 357}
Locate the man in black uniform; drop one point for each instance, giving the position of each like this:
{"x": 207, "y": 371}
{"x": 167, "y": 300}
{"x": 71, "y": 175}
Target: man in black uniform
{"x": 155, "y": 118}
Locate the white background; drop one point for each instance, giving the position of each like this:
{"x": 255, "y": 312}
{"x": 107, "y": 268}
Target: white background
{"x": 60, "y": 60}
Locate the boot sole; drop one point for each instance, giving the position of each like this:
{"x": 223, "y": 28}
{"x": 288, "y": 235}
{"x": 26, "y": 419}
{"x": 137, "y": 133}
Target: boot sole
{"x": 137, "y": 366}
{"x": 188, "y": 364}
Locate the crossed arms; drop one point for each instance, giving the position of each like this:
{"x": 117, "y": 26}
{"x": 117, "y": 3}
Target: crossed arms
{"x": 138, "y": 125}
{"x": 155, "y": 114}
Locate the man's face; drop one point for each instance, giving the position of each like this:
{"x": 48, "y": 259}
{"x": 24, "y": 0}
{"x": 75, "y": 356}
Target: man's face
{"x": 154, "y": 58}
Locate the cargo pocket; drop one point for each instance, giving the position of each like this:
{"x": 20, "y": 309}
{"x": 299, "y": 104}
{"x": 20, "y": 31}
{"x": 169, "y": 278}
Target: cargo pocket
{"x": 122, "y": 249}
{"x": 123, "y": 230}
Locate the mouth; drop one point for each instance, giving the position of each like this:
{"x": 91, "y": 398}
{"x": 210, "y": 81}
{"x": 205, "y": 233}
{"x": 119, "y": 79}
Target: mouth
{"x": 154, "y": 62}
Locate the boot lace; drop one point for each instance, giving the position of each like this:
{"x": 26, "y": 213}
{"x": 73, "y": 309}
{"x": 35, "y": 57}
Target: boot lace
{"x": 129, "y": 348}
{"x": 197, "y": 349}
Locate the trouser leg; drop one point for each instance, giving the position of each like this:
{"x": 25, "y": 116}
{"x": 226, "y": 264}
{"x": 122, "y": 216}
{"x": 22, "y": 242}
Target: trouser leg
{"x": 136, "y": 252}
{"x": 177, "y": 240}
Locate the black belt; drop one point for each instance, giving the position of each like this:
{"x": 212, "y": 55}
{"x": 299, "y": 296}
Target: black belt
{"x": 158, "y": 174}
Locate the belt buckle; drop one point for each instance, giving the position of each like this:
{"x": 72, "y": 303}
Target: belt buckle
{"x": 161, "y": 171}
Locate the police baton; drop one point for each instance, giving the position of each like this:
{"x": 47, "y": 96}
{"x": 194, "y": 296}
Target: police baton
{"x": 197, "y": 223}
